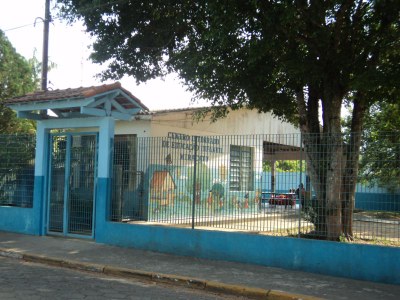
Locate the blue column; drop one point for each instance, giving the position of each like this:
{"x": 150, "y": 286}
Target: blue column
{"x": 41, "y": 165}
{"x": 105, "y": 155}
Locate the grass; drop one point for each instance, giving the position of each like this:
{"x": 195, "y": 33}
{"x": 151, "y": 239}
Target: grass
{"x": 375, "y": 241}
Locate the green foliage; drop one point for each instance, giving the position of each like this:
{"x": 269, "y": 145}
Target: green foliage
{"x": 255, "y": 53}
{"x": 16, "y": 150}
{"x": 17, "y": 154}
{"x": 380, "y": 154}
{"x": 284, "y": 166}
{"x": 17, "y": 77}
{"x": 380, "y": 149}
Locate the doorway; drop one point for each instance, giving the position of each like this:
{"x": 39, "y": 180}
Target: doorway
{"x": 71, "y": 187}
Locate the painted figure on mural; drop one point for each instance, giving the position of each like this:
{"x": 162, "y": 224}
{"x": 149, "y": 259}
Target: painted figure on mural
{"x": 162, "y": 189}
{"x": 216, "y": 195}
{"x": 257, "y": 197}
{"x": 197, "y": 197}
{"x": 246, "y": 201}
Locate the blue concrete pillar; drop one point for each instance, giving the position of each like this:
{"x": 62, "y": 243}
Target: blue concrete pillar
{"x": 41, "y": 166}
{"x": 105, "y": 156}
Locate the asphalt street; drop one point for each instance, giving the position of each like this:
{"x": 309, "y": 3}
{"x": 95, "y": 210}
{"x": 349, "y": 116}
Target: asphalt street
{"x": 159, "y": 268}
{"x": 23, "y": 280}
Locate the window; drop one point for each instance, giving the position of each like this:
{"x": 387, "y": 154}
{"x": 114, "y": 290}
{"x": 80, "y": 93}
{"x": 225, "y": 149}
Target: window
{"x": 241, "y": 168}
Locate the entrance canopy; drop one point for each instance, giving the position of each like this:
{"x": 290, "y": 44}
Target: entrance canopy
{"x": 275, "y": 151}
{"x": 97, "y": 101}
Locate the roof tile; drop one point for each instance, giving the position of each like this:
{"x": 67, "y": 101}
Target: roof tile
{"x": 80, "y": 92}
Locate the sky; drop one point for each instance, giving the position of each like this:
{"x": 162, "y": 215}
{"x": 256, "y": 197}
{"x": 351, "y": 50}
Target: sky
{"x": 69, "y": 49}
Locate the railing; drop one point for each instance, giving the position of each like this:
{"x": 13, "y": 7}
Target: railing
{"x": 258, "y": 183}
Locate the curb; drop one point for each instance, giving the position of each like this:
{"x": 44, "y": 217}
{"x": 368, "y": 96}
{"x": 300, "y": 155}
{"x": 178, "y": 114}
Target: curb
{"x": 189, "y": 282}
{"x": 10, "y": 254}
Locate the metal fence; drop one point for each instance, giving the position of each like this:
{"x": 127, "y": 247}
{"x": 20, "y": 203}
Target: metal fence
{"x": 270, "y": 184}
{"x": 17, "y": 156}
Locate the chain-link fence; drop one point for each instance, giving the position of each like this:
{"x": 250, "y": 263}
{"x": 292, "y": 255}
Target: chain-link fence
{"x": 17, "y": 157}
{"x": 296, "y": 185}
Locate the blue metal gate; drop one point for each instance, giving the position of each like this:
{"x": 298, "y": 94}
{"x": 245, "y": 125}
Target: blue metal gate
{"x": 72, "y": 175}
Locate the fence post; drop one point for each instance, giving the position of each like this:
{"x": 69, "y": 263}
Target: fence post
{"x": 301, "y": 178}
{"x": 194, "y": 178}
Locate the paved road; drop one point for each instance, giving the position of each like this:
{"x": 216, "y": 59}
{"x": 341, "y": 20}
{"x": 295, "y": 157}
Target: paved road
{"x": 22, "y": 280}
{"x": 89, "y": 252}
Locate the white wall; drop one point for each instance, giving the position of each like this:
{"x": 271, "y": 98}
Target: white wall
{"x": 240, "y": 122}
{"x": 142, "y": 128}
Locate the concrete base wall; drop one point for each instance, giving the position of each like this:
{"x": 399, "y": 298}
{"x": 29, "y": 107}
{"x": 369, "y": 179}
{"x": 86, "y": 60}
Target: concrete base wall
{"x": 25, "y": 220}
{"x": 19, "y": 220}
{"x": 364, "y": 262}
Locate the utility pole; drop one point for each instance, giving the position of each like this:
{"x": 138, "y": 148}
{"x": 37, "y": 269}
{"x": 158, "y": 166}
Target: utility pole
{"x": 45, "y": 56}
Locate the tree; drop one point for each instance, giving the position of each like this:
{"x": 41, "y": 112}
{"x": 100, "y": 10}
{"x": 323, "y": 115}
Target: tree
{"x": 17, "y": 77}
{"x": 287, "y": 57}
{"x": 284, "y": 166}
{"x": 17, "y": 156}
{"x": 380, "y": 152}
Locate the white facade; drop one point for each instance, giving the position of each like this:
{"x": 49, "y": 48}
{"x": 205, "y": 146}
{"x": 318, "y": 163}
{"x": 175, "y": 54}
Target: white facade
{"x": 229, "y": 153}
{"x": 239, "y": 122}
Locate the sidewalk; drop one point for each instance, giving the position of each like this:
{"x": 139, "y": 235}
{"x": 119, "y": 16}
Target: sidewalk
{"x": 225, "y": 277}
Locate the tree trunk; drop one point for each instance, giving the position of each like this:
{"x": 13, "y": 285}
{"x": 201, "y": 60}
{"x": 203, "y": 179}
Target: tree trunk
{"x": 352, "y": 164}
{"x": 333, "y": 185}
{"x": 311, "y": 139}
{"x": 324, "y": 157}
{"x": 314, "y": 158}
{"x": 333, "y": 144}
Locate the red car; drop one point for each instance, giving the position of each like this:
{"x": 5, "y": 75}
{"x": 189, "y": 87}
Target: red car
{"x": 283, "y": 199}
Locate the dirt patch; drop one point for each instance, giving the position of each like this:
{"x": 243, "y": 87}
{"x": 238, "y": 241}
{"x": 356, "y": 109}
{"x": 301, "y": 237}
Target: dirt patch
{"x": 383, "y": 215}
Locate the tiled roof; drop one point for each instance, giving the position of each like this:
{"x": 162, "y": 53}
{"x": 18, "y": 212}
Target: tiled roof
{"x": 161, "y": 111}
{"x": 77, "y": 93}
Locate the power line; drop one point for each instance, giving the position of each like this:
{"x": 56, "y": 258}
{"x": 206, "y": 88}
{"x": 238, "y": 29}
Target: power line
{"x": 19, "y": 27}
{"x": 37, "y": 20}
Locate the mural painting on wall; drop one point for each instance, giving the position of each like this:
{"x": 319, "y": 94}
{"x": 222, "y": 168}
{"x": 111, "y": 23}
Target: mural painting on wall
{"x": 174, "y": 185}
{"x": 216, "y": 196}
{"x": 223, "y": 172}
{"x": 181, "y": 149}
{"x": 162, "y": 189}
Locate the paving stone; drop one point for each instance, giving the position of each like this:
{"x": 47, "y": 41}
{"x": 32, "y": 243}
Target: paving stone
{"x": 38, "y": 282}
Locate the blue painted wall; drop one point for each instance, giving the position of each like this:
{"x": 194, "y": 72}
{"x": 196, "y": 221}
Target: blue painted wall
{"x": 284, "y": 181}
{"x": 365, "y": 262}
{"x": 18, "y": 219}
{"x": 366, "y": 198}
{"x": 102, "y": 205}
{"x": 377, "y": 201}
{"x": 25, "y": 220}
